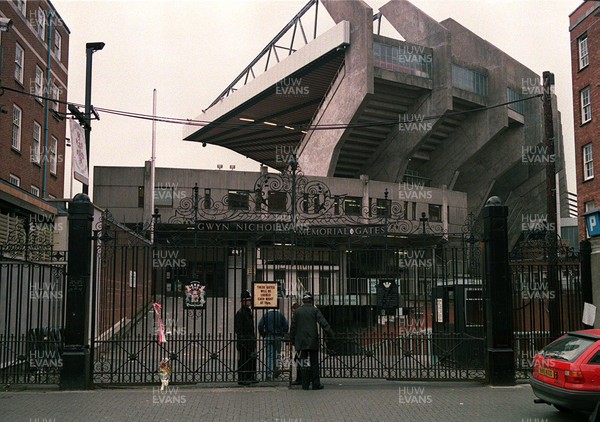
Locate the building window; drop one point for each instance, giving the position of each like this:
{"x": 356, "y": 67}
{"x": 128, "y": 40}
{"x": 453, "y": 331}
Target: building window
{"x": 57, "y": 44}
{"x": 41, "y": 24}
{"x": 19, "y": 63}
{"x": 588, "y": 162}
{"x": 384, "y": 208}
{"x": 140, "y": 197}
{"x": 163, "y": 196}
{"x": 353, "y": 205}
{"x": 238, "y": 199}
{"x": 317, "y": 204}
{"x": 586, "y": 105}
{"x": 410, "y": 210}
{"x": 39, "y": 80}
{"x": 583, "y": 52}
{"x": 404, "y": 59}
{"x": 53, "y": 155}
{"x": 469, "y": 80}
{"x": 512, "y": 95}
{"x": 56, "y": 97}
{"x": 14, "y": 180}
{"x": 279, "y": 276}
{"x": 277, "y": 201}
{"x": 589, "y": 206}
{"x": 435, "y": 213}
{"x": 207, "y": 199}
{"x": 325, "y": 282}
{"x": 35, "y": 191}
{"x": 305, "y": 203}
{"x": 302, "y": 279}
{"x": 36, "y": 148}
{"x": 22, "y": 6}
{"x": 16, "y": 130}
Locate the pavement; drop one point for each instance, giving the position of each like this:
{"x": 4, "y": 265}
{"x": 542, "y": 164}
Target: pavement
{"x": 341, "y": 400}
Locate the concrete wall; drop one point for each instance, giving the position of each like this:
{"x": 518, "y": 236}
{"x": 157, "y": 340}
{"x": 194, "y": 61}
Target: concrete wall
{"x": 320, "y": 148}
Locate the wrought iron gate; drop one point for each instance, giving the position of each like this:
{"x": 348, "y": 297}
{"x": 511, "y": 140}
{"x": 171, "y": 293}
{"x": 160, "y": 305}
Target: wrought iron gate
{"x": 534, "y": 294}
{"x": 32, "y": 304}
{"x": 404, "y": 299}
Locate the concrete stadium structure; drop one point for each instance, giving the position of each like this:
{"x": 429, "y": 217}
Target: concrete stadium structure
{"x": 430, "y": 105}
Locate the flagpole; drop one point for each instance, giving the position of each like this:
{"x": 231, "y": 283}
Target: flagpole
{"x": 152, "y": 165}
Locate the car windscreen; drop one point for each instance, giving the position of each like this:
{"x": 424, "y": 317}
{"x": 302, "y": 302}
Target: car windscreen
{"x": 567, "y": 348}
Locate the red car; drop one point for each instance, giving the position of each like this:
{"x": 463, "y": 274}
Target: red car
{"x": 566, "y": 373}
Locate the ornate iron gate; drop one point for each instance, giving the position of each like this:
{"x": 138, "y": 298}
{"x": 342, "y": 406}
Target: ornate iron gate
{"x": 404, "y": 299}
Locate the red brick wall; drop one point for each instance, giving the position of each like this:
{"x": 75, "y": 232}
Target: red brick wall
{"x": 19, "y": 163}
{"x": 584, "y": 134}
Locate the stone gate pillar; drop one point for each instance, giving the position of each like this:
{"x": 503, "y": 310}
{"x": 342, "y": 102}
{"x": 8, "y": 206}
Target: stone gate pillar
{"x": 500, "y": 362}
{"x": 76, "y": 369}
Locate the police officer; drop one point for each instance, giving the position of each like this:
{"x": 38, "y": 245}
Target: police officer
{"x": 246, "y": 341}
{"x": 305, "y": 336}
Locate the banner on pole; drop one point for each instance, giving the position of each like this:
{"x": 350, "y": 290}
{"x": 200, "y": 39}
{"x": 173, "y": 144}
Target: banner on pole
{"x": 79, "y": 163}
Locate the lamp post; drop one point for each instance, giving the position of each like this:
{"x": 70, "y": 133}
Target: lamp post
{"x": 90, "y": 48}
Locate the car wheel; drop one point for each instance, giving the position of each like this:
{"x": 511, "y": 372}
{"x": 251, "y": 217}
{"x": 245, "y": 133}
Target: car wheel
{"x": 562, "y": 408}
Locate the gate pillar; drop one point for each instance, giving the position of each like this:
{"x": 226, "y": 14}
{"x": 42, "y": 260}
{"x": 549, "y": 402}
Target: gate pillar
{"x": 500, "y": 362}
{"x": 76, "y": 369}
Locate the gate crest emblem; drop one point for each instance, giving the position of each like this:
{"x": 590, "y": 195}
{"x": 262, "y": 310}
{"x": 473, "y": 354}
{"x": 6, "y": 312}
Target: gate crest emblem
{"x": 195, "y": 295}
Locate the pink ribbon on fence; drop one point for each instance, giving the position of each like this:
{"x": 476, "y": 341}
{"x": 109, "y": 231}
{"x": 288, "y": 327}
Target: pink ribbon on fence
{"x": 161, "y": 328}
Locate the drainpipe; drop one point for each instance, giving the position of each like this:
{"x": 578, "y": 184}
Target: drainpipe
{"x": 47, "y": 106}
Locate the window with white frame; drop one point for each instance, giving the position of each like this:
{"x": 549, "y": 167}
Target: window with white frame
{"x": 55, "y": 96}
{"x": 589, "y": 206}
{"x": 19, "y": 63}
{"x": 16, "y": 129}
{"x": 14, "y": 180}
{"x": 35, "y": 190}
{"x": 586, "y": 105}
{"x": 41, "y": 24}
{"x": 39, "y": 81}
{"x": 583, "y": 52}
{"x": 588, "y": 162}
{"x": 36, "y": 148}
{"x": 57, "y": 44}
{"x": 22, "y": 6}
{"x": 53, "y": 154}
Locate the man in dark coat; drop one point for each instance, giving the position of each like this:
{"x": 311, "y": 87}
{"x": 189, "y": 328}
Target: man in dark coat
{"x": 246, "y": 341}
{"x": 304, "y": 335}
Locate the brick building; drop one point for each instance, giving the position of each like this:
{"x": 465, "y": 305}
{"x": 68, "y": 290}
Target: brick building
{"x": 585, "y": 65}
{"x": 32, "y": 129}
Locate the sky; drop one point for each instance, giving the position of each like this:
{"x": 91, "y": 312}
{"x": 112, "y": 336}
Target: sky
{"x": 190, "y": 51}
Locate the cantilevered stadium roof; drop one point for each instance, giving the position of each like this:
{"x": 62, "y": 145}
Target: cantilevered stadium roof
{"x": 265, "y": 119}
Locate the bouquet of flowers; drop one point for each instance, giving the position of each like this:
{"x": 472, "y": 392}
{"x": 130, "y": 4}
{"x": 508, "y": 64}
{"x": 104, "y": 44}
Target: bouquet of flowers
{"x": 164, "y": 370}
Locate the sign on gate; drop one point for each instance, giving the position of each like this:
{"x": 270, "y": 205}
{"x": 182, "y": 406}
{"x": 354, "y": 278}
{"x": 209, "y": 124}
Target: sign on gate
{"x": 265, "y": 295}
{"x": 388, "y": 298}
